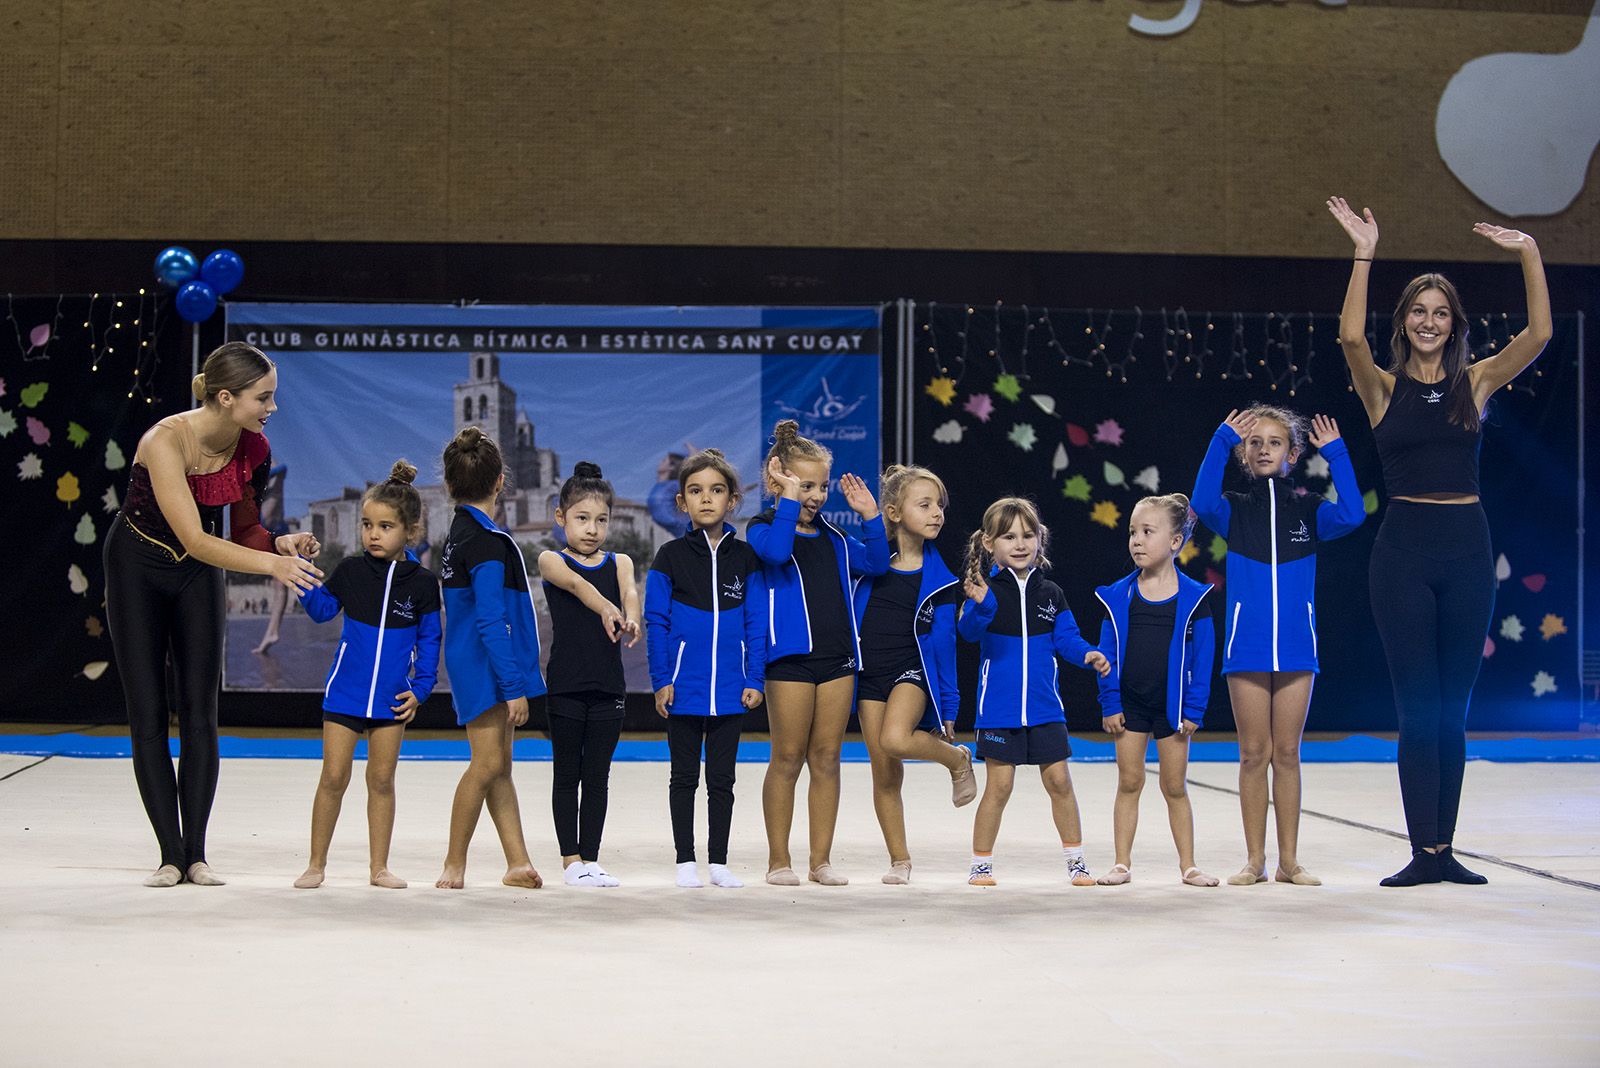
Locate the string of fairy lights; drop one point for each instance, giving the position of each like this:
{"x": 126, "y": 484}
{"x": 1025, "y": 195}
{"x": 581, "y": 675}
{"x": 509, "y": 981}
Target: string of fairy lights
{"x": 114, "y": 332}
{"x": 1283, "y": 350}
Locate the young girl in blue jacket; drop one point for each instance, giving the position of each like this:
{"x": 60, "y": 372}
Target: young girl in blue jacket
{"x": 387, "y": 664}
{"x": 706, "y": 625}
{"x": 812, "y": 644}
{"x": 491, "y": 650}
{"x": 1270, "y": 650}
{"x": 906, "y": 692}
{"x": 1022, "y": 623}
{"x": 1159, "y": 641}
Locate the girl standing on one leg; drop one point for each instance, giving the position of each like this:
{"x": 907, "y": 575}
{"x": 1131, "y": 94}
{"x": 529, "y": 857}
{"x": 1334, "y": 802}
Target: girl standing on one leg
{"x": 593, "y": 603}
{"x": 1022, "y": 623}
{"x": 164, "y": 559}
{"x": 1158, "y": 636}
{"x": 1432, "y": 571}
{"x": 388, "y": 652}
{"x": 1270, "y": 652}
{"x": 907, "y": 621}
{"x": 812, "y": 644}
{"x": 491, "y": 650}
{"x": 705, "y": 611}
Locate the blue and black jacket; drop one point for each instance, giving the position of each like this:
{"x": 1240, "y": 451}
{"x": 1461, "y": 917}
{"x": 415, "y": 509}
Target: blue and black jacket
{"x": 772, "y": 536}
{"x": 1272, "y": 536}
{"x": 390, "y": 640}
{"x": 1189, "y": 657}
{"x": 1021, "y": 626}
{"x": 705, "y": 619}
{"x": 934, "y": 626}
{"x": 492, "y": 646}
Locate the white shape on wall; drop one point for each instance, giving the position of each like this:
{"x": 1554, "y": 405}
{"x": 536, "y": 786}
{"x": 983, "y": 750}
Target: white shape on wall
{"x": 1518, "y": 128}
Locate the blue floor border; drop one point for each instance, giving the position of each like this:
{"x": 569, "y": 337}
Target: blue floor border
{"x": 1353, "y": 749}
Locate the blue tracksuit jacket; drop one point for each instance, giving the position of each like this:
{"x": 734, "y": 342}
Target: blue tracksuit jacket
{"x": 935, "y": 627}
{"x": 390, "y": 639}
{"x": 771, "y": 535}
{"x": 1189, "y": 658}
{"x": 1272, "y": 537}
{"x": 1021, "y": 626}
{"x": 705, "y": 620}
{"x": 491, "y": 647}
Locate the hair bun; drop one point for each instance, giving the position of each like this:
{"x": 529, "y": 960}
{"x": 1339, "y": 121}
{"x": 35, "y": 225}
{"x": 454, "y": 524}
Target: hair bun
{"x": 469, "y": 438}
{"x": 403, "y": 473}
{"x": 785, "y": 432}
{"x": 1180, "y": 498}
{"x": 715, "y": 452}
{"x": 585, "y": 469}
{"x": 197, "y": 386}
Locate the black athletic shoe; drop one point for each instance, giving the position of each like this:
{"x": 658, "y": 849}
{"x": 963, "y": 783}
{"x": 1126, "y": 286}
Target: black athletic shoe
{"x": 1424, "y": 868}
{"x": 1452, "y": 871}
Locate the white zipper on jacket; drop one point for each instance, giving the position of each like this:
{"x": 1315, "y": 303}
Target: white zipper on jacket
{"x": 716, "y": 598}
{"x": 677, "y": 665}
{"x": 1272, "y": 520}
{"x": 1183, "y": 646}
{"x": 383, "y": 622}
{"x": 335, "y": 672}
{"x": 1116, "y": 633}
{"x": 1022, "y": 603}
{"x": 1233, "y": 631}
{"x": 927, "y": 678}
{"x": 1311, "y": 618}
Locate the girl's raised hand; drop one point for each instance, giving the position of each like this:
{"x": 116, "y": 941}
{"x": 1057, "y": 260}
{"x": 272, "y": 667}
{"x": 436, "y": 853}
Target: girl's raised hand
{"x": 1240, "y": 423}
{"x": 1323, "y": 430}
{"x": 975, "y": 588}
{"x": 858, "y": 496}
{"x": 1363, "y": 228}
{"x": 1511, "y": 240}
{"x": 788, "y": 484}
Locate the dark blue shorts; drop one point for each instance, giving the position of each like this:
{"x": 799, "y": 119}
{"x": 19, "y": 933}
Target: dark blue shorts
{"x": 1044, "y": 744}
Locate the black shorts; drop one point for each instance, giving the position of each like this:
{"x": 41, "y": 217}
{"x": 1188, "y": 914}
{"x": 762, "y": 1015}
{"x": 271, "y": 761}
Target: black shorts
{"x": 1044, "y": 744}
{"x": 588, "y": 704}
{"x": 814, "y": 668}
{"x": 1147, "y": 720}
{"x": 359, "y": 724}
{"x": 877, "y": 685}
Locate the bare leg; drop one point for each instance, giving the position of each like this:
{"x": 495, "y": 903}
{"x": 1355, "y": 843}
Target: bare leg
{"x": 506, "y": 813}
{"x": 1063, "y": 802}
{"x": 488, "y": 777}
{"x": 1291, "y": 701}
{"x": 901, "y": 738}
{"x": 338, "y": 751}
{"x": 1131, "y": 747}
{"x": 822, "y": 763}
{"x": 383, "y": 753}
{"x": 1251, "y": 694}
{"x": 1173, "y": 752}
{"x": 790, "y": 709}
{"x": 998, "y": 779}
{"x": 888, "y": 775}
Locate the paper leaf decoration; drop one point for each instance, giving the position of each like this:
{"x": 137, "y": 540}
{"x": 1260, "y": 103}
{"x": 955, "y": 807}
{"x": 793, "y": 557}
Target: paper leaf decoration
{"x": 1023, "y": 436}
{"x": 1106, "y": 514}
{"x": 981, "y": 406}
{"x": 1551, "y": 626}
{"x": 1077, "y": 437}
{"x": 32, "y": 395}
{"x": 1189, "y": 551}
{"x": 77, "y": 435}
{"x": 1046, "y": 404}
{"x": 1511, "y": 629}
{"x": 8, "y": 423}
{"x": 1218, "y": 549}
{"x": 94, "y": 669}
{"x": 1058, "y": 462}
{"x": 1502, "y": 568}
{"x": 1008, "y": 386}
{"x": 945, "y": 433}
{"x": 1543, "y": 683}
{"x": 1535, "y": 583}
{"x": 1108, "y": 432}
{"x": 109, "y": 500}
{"x": 1075, "y": 488}
{"x": 1317, "y": 466}
{"x": 941, "y": 389}
{"x": 38, "y": 431}
{"x": 39, "y": 336}
{"x": 1369, "y": 501}
{"x": 1113, "y": 475}
{"x": 1149, "y": 478}
{"x": 84, "y": 534}
{"x": 94, "y": 627}
{"x": 67, "y": 488}
{"x": 76, "y": 581}
{"x": 30, "y": 467}
{"x": 114, "y": 457}
{"x": 1488, "y": 647}
{"x": 2, "y": 387}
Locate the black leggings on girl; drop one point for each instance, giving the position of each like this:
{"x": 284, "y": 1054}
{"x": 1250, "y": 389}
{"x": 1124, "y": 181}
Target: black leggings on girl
{"x": 721, "y": 737}
{"x": 1432, "y": 586}
{"x": 582, "y": 746}
{"x": 156, "y": 604}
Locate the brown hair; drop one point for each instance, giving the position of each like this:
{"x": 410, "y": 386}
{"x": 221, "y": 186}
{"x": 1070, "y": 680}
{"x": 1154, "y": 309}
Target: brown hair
{"x": 232, "y": 366}
{"x": 472, "y": 465}
{"x": 787, "y": 445}
{"x": 1176, "y": 505}
{"x": 586, "y": 481}
{"x": 1457, "y": 348}
{"x": 897, "y": 480}
{"x": 997, "y": 519}
{"x": 398, "y": 493}
{"x": 708, "y": 460}
{"x": 1292, "y": 422}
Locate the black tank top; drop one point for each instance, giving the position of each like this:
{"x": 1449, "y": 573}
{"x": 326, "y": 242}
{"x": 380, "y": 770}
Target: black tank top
{"x": 582, "y": 657}
{"x": 1422, "y": 451}
{"x": 830, "y": 616}
{"x": 888, "y": 634}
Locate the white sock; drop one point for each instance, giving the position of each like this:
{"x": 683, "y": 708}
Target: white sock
{"x": 578, "y": 874}
{"x": 1072, "y": 852}
{"x": 688, "y": 876}
{"x": 601, "y": 876}
{"x": 721, "y": 876}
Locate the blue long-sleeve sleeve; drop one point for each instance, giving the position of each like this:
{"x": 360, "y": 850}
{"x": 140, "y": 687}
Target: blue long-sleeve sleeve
{"x": 755, "y": 633}
{"x": 943, "y": 636}
{"x": 1111, "y": 682}
{"x": 1207, "y": 499}
{"x": 1338, "y": 518}
{"x": 658, "y": 627}
{"x": 774, "y": 541}
{"x": 425, "y": 664}
{"x": 1069, "y": 643}
{"x": 1197, "y": 688}
{"x": 976, "y": 617}
{"x": 488, "y": 593}
{"x": 869, "y": 555}
{"x": 320, "y": 604}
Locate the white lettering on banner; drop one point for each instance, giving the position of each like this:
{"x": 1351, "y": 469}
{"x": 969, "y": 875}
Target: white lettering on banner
{"x": 520, "y": 340}
{"x": 745, "y": 342}
{"x": 807, "y": 342}
{"x": 654, "y": 342}
{"x": 272, "y": 339}
{"x": 1176, "y": 24}
{"x": 401, "y": 340}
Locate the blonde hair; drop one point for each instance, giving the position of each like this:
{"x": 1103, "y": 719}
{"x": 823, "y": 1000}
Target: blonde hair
{"x": 231, "y": 366}
{"x": 997, "y": 519}
{"x": 896, "y": 482}
{"x": 1293, "y": 423}
{"x": 788, "y": 445}
{"x": 1176, "y": 505}
{"x": 398, "y": 493}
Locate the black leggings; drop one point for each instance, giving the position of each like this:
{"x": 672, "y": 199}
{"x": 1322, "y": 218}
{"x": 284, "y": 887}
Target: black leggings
{"x": 582, "y": 749}
{"x": 721, "y": 737}
{"x": 1432, "y": 586}
{"x": 157, "y": 605}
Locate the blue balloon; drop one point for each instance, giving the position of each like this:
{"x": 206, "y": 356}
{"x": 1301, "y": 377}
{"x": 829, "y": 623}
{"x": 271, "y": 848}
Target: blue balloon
{"x": 175, "y": 266}
{"x": 223, "y": 271}
{"x": 196, "y": 301}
